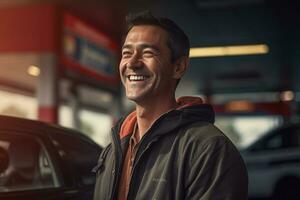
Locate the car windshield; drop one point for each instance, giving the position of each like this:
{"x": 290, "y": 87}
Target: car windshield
{"x": 245, "y": 130}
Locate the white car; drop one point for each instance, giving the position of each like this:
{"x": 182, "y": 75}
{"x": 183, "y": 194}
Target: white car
{"x": 273, "y": 164}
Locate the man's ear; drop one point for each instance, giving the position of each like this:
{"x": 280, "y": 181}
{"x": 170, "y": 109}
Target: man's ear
{"x": 181, "y": 65}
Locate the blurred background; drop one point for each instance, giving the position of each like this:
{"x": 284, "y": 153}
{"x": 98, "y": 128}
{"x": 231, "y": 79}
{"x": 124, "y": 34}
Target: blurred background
{"x": 59, "y": 62}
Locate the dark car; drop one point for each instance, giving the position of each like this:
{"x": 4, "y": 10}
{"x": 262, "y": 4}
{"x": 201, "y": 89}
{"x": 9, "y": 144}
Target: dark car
{"x": 43, "y": 161}
{"x": 273, "y": 163}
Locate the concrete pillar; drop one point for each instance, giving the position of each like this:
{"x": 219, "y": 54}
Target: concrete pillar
{"x": 75, "y": 105}
{"x": 47, "y": 89}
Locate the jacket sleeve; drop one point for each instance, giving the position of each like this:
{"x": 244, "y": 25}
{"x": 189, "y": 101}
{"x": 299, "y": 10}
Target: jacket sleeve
{"x": 215, "y": 171}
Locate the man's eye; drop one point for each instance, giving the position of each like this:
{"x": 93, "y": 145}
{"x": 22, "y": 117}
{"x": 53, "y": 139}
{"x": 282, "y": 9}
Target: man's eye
{"x": 148, "y": 53}
{"x": 126, "y": 54}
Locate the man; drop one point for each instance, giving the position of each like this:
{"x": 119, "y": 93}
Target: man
{"x": 167, "y": 149}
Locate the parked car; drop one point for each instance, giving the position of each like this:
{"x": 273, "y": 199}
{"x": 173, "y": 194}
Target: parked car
{"x": 43, "y": 161}
{"x": 273, "y": 164}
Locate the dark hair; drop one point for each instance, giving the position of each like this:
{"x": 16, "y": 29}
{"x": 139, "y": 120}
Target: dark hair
{"x": 178, "y": 42}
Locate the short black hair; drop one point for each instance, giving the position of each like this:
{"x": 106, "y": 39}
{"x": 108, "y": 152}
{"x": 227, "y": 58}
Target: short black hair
{"x": 178, "y": 42}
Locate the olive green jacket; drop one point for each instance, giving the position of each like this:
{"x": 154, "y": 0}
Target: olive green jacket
{"x": 182, "y": 156}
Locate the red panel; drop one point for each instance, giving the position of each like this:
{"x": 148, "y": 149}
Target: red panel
{"x": 272, "y": 108}
{"x": 28, "y": 28}
{"x": 48, "y": 114}
{"x": 282, "y": 108}
{"x": 109, "y": 80}
{"x": 86, "y": 30}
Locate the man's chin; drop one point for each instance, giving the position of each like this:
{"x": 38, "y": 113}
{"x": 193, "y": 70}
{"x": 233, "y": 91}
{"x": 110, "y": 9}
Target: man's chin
{"x": 136, "y": 98}
{"x": 133, "y": 98}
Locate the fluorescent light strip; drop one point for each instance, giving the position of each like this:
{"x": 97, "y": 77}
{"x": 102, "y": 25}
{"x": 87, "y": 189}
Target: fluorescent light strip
{"x": 229, "y": 50}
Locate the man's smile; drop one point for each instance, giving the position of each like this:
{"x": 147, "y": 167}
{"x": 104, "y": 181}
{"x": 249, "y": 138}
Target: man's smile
{"x": 136, "y": 77}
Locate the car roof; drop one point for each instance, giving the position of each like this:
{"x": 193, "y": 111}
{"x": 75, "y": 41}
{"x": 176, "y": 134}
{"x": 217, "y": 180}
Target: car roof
{"x": 8, "y": 123}
{"x": 272, "y": 132}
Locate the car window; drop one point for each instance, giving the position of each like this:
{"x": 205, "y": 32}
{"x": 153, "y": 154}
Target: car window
{"x": 275, "y": 142}
{"x": 284, "y": 138}
{"x": 81, "y": 154}
{"x": 293, "y": 139}
{"x": 28, "y": 165}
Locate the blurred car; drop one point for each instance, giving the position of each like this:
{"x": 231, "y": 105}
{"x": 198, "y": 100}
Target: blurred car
{"x": 43, "y": 161}
{"x": 273, "y": 164}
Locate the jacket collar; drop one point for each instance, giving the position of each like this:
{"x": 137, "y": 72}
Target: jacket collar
{"x": 182, "y": 102}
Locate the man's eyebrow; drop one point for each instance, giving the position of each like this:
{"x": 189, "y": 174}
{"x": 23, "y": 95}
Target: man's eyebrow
{"x": 127, "y": 46}
{"x": 144, "y": 46}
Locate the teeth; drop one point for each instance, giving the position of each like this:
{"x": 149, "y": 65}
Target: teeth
{"x": 136, "y": 78}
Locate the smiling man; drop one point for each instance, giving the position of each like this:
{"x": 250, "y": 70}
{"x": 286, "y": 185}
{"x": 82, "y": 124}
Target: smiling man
{"x": 168, "y": 148}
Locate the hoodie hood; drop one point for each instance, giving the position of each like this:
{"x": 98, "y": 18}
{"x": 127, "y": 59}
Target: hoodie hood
{"x": 189, "y": 110}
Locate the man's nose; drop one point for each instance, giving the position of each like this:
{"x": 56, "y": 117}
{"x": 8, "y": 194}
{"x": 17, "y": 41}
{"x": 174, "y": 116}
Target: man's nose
{"x": 135, "y": 61}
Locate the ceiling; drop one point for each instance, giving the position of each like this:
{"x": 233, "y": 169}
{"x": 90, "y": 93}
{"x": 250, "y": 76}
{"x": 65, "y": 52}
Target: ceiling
{"x": 236, "y": 22}
{"x": 13, "y": 72}
{"x": 215, "y": 23}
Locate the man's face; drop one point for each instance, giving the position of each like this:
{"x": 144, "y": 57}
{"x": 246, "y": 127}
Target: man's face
{"x": 146, "y": 69}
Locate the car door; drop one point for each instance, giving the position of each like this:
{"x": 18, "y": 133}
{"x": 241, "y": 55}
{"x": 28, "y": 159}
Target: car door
{"x": 29, "y": 173}
{"x": 79, "y": 155}
{"x": 272, "y": 158}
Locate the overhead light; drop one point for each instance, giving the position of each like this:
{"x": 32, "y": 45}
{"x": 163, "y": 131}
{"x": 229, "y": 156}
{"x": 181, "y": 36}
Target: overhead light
{"x": 229, "y": 50}
{"x": 287, "y": 95}
{"x": 33, "y": 70}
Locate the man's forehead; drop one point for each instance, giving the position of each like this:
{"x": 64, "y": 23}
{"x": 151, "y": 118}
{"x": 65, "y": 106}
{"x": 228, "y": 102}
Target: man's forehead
{"x": 148, "y": 27}
{"x": 146, "y": 32}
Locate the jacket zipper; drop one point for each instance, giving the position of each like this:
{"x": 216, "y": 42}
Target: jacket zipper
{"x": 136, "y": 161}
{"x": 138, "y": 156}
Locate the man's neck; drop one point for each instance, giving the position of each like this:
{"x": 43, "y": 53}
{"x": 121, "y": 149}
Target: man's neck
{"x": 147, "y": 114}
